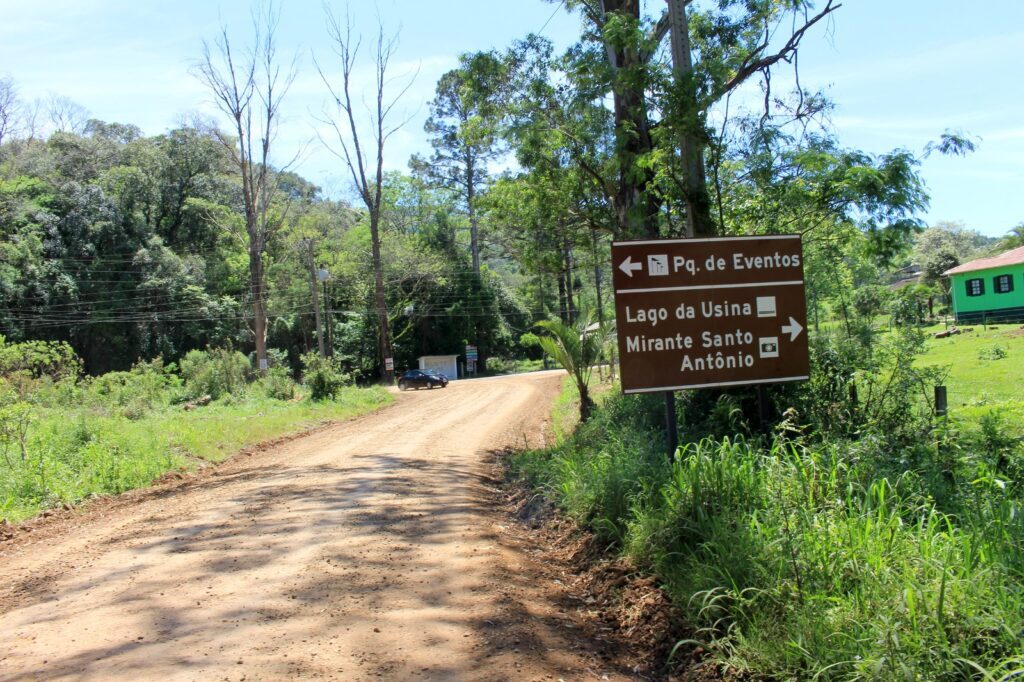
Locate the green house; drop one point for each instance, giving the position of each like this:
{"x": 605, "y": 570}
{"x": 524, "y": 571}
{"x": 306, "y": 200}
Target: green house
{"x": 989, "y": 289}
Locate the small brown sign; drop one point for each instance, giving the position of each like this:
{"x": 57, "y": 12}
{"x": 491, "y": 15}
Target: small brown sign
{"x": 694, "y": 313}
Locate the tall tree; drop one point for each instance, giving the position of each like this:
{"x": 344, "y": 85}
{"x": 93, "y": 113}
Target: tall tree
{"x": 365, "y": 165}
{"x": 9, "y": 107}
{"x": 249, "y": 88}
{"x": 717, "y": 50}
{"x": 1014, "y": 238}
{"x": 464, "y": 125}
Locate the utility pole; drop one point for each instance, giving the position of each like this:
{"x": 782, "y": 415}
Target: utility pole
{"x": 323, "y": 275}
{"x": 314, "y": 295}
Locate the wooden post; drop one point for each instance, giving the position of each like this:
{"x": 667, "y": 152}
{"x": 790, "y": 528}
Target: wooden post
{"x": 671, "y": 426}
{"x": 941, "y": 404}
{"x": 314, "y": 295}
{"x": 328, "y": 322}
{"x": 763, "y": 408}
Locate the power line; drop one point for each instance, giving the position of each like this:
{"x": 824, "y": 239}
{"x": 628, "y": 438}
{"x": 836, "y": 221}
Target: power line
{"x": 560, "y": 5}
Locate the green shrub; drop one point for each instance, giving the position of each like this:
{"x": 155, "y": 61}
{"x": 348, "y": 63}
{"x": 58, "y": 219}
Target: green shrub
{"x": 216, "y": 372}
{"x": 993, "y": 352}
{"x": 278, "y": 383}
{"x": 53, "y": 359}
{"x": 147, "y": 386}
{"x": 322, "y": 376}
{"x": 870, "y": 300}
{"x": 34, "y": 366}
{"x": 499, "y": 365}
{"x": 811, "y": 561}
{"x": 16, "y": 420}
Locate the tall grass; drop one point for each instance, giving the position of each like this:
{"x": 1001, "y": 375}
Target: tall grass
{"x": 803, "y": 561}
{"x": 86, "y": 443}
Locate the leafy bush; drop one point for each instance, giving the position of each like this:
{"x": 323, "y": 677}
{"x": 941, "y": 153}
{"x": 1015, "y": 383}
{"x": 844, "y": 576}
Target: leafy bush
{"x": 500, "y": 365}
{"x": 322, "y": 376}
{"x": 870, "y": 300}
{"x": 804, "y": 561}
{"x": 993, "y": 352}
{"x": 16, "y": 420}
{"x": 216, "y": 372}
{"x": 278, "y": 383}
{"x": 53, "y": 359}
{"x": 147, "y": 386}
{"x": 911, "y": 304}
{"x": 33, "y": 366}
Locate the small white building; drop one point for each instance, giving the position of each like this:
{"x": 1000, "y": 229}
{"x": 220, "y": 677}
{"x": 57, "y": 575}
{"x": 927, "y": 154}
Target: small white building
{"x": 447, "y": 365}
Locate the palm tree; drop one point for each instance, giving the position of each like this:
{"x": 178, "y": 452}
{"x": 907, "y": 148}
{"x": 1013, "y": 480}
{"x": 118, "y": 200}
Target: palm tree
{"x": 576, "y": 347}
{"x": 1013, "y": 239}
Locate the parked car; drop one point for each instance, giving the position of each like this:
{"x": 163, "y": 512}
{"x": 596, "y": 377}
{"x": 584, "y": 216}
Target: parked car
{"x": 417, "y": 378}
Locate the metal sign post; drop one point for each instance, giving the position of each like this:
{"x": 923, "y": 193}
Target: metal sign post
{"x": 696, "y": 313}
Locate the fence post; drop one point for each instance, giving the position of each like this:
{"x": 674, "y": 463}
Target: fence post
{"x": 671, "y": 425}
{"x": 941, "y": 406}
{"x": 764, "y": 406}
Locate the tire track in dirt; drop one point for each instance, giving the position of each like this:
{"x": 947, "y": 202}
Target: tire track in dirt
{"x": 363, "y": 551}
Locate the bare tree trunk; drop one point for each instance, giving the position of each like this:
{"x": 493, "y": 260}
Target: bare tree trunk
{"x": 314, "y": 295}
{"x": 635, "y": 202}
{"x": 379, "y": 299}
{"x": 259, "y": 314}
{"x": 349, "y": 147}
{"x": 250, "y": 93}
{"x": 597, "y": 275}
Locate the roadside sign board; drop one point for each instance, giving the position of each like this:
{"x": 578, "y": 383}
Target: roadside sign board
{"x": 693, "y": 313}
{"x": 389, "y": 364}
{"x": 471, "y": 353}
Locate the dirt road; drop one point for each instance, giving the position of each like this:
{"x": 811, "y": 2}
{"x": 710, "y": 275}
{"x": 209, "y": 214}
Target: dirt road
{"x": 367, "y": 550}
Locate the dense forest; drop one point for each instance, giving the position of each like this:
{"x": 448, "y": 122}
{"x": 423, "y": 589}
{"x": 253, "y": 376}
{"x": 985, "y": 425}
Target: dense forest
{"x": 127, "y": 247}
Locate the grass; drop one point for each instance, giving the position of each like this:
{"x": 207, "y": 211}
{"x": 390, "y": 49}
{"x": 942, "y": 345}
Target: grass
{"x": 74, "y": 452}
{"x": 565, "y": 415}
{"x": 795, "y": 561}
{"x": 985, "y": 365}
{"x": 986, "y": 372}
{"x": 219, "y": 431}
{"x": 861, "y": 557}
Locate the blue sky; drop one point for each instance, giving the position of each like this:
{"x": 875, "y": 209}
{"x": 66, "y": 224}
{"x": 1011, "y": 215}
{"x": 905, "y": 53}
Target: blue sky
{"x": 900, "y": 71}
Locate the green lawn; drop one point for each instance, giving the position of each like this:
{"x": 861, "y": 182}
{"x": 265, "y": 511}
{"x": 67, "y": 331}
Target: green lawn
{"x": 986, "y": 373}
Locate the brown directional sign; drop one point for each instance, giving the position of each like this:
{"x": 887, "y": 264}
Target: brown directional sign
{"x": 693, "y": 313}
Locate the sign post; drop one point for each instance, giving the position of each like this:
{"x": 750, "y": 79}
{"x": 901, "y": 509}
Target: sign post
{"x": 700, "y": 313}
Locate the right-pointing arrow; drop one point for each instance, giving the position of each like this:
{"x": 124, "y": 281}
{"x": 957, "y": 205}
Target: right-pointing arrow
{"x": 793, "y": 329}
{"x": 628, "y": 266}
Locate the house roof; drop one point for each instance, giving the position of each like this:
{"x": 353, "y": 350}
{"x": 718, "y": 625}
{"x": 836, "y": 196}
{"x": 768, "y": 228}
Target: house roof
{"x": 1011, "y": 257}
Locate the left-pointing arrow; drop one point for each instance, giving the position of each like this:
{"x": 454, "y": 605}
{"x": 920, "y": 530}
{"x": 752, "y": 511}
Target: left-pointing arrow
{"x": 793, "y": 329}
{"x": 628, "y": 266}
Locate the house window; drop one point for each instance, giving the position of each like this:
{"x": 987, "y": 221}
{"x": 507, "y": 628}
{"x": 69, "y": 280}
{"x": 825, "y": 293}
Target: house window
{"x": 975, "y": 287}
{"x": 1003, "y": 284}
